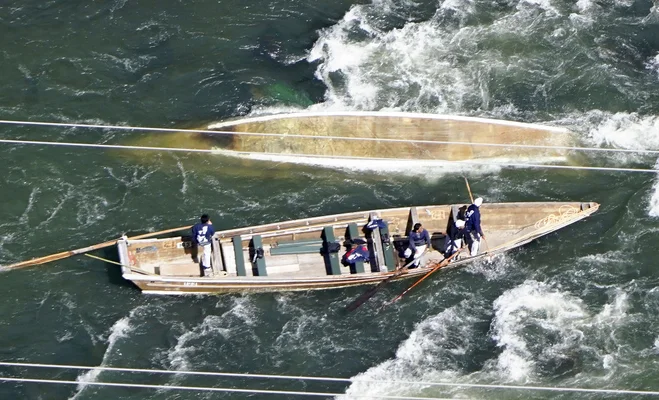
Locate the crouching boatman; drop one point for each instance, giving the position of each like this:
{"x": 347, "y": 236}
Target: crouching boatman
{"x": 473, "y": 226}
{"x": 454, "y": 236}
{"x": 202, "y": 232}
{"x": 419, "y": 242}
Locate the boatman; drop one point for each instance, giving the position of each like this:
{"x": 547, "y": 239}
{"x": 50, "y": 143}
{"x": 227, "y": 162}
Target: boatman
{"x": 473, "y": 226}
{"x": 202, "y": 233}
{"x": 454, "y": 236}
{"x": 357, "y": 252}
{"x": 419, "y": 242}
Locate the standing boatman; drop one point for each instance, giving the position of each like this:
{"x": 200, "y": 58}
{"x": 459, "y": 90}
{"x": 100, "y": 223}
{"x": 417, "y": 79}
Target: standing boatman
{"x": 202, "y": 232}
{"x": 473, "y": 226}
{"x": 419, "y": 242}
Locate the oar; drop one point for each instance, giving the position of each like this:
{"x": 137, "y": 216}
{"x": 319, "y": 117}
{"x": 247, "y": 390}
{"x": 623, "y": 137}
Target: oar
{"x": 471, "y": 198}
{"x": 443, "y": 263}
{"x": 66, "y": 254}
{"x": 370, "y": 292}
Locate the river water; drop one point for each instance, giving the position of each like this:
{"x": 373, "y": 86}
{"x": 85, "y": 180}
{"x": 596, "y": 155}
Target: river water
{"x": 576, "y": 308}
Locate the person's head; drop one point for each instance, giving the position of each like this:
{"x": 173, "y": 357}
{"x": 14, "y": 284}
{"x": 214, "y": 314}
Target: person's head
{"x": 460, "y": 224}
{"x": 478, "y": 201}
{"x": 204, "y": 218}
{"x": 418, "y": 227}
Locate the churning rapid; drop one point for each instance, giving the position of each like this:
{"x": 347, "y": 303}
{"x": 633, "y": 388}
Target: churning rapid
{"x": 577, "y": 308}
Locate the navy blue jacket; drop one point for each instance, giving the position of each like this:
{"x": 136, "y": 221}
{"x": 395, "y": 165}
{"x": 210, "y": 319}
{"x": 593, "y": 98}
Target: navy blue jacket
{"x": 359, "y": 253}
{"x": 473, "y": 220}
{"x": 375, "y": 223}
{"x": 419, "y": 239}
{"x": 202, "y": 233}
{"x": 454, "y": 233}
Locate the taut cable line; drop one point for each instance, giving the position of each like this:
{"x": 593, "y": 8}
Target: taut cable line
{"x": 212, "y": 389}
{"x": 312, "y": 378}
{"x": 352, "y": 138}
{"x": 211, "y": 151}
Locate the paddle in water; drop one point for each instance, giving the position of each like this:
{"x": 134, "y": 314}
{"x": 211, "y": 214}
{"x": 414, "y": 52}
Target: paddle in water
{"x": 441, "y": 264}
{"x": 70, "y": 253}
{"x": 370, "y": 292}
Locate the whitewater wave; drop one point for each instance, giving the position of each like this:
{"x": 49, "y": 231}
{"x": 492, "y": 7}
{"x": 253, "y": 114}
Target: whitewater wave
{"x": 433, "y": 351}
{"x": 653, "y": 206}
{"x": 212, "y": 333}
{"x": 118, "y": 331}
{"x": 537, "y": 330}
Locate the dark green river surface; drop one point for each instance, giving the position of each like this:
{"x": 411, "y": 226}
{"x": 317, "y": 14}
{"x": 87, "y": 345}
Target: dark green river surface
{"x": 577, "y": 308}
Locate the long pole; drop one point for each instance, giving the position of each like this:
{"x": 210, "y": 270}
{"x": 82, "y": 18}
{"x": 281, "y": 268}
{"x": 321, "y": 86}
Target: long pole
{"x": 82, "y": 250}
{"x": 443, "y": 263}
{"x": 370, "y": 292}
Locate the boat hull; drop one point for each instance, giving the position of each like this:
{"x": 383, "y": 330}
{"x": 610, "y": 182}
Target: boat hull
{"x": 295, "y": 257}
{"x": 381, "y": 135}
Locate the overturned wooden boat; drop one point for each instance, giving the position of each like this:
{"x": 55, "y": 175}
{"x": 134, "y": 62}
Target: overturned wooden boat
{"x": 305, "y": 254}
{"x": 387, "y": 135}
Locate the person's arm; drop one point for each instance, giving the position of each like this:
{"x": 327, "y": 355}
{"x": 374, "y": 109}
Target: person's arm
{"x": 480, "y": 230}
{"x": 411, "y": 244}
{"x": 194, "y": 234}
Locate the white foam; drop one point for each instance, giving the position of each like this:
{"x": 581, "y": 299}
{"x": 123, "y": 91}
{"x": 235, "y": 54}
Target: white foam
{"x": 492, "y": 268}
{"x": 614, "y": 313}
{"x": 411, "y": 68}
{"x": 70, "y": 191}
{"x": 532, "y": 304}
{"x": 621, "y": 130}
{"x": 404, "y": 166}
{"x": 428, "y": 354}
{"x": 653, "y": 64}
{"x": 537, "y": 326}
{"x": 533, "y": 5}
{"x": 30, "y": 203}
{"x": 184, "y": 175}
{"x": 653, "y": 206}
{"x": 624, "y": 130}
{"x": 188, "y": 344}
{"x": 119, "y": 330}
{"x": 585, "y": 5}
{"x": 599, "y": 259}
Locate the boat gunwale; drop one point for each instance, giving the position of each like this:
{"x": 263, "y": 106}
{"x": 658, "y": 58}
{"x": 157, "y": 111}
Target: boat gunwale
{"x": 344, "y": 280}
{"x": 398, "y": 114}
{"x": 224, "y": 234}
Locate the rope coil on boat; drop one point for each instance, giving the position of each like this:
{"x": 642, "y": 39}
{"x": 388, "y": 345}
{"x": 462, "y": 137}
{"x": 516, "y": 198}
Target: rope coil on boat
{"x": 565, "y": 212}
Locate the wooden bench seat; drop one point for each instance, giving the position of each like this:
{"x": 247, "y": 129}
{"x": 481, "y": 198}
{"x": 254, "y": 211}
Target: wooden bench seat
{"x": 301, "y": 247}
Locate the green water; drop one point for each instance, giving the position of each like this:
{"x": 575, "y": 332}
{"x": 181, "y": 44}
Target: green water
{"x": 577, "y": 308}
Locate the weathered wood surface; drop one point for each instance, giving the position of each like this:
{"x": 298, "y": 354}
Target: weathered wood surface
{"x": 82, "y": 250}
{"x": 402, "y": 127}
{"x": 508, "y": 225}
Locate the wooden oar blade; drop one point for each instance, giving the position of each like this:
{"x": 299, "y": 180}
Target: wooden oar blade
{"x": 66, "y": 254}
{"x": 37, "y": 261}
{"x": 369, "y": 293}
{"x": 443, "y": 263}
{"x": 364, "y": 297}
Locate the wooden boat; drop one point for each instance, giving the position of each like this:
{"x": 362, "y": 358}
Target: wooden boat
{"x": 387, "y": 135}
{"x": 305, "y": 254}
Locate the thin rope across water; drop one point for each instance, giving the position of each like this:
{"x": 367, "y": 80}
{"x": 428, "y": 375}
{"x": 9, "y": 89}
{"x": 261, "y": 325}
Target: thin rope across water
{"x": 210, "y": 389}
{"x": 211, "y": 151}
{"x": 351, "y": 138}
{"x": 327, "y": 379}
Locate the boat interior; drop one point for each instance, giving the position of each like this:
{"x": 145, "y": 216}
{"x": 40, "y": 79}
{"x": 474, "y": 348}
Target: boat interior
{"x": 314, "y": 247}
